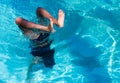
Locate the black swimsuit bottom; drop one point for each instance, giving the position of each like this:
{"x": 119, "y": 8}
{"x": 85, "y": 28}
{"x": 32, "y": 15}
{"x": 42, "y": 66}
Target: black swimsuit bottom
{"x": 45, "y": 52}
{"x": 41, "y": 51}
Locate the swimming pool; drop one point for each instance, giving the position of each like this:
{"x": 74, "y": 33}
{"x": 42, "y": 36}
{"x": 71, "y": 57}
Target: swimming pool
{"x": 87, "y": 49}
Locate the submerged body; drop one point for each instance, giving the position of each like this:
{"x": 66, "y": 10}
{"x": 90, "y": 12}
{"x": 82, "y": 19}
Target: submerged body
{"x": 39, "y": 35}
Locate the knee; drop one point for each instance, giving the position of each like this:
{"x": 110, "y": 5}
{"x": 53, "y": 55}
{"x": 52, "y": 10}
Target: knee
{"x": 39, "y": 9}
{"x": 18, "y": 20}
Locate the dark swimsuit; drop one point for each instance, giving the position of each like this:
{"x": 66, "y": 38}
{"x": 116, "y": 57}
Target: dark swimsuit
{"x": 44, "y": 51}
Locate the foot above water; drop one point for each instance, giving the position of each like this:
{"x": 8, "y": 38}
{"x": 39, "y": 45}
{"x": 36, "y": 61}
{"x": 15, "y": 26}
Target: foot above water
{"x": 61, "y": 17}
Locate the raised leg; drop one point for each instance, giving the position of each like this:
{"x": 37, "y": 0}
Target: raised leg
{"x": 27, "y": 24}
{"x": 43, "y": 13}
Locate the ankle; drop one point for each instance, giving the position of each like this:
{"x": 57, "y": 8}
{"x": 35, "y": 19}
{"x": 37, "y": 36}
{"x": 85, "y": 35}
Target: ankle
{"x": 55, "y": 21}
{"x": 51, "y": 29}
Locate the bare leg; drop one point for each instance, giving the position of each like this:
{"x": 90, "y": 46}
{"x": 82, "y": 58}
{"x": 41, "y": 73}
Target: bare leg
{"x": 26, "y": 24}
{"x": 43, "y": 13}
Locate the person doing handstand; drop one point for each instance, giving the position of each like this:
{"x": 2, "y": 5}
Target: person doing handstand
{"x": 39, "y": 34}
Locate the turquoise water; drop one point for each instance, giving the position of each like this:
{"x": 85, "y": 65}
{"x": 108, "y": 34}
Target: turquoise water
{"x": 87, "y": 49}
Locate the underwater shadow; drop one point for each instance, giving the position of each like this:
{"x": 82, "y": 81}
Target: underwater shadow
{"x": 86, "y": 56}
{"x": 106, "y": 15}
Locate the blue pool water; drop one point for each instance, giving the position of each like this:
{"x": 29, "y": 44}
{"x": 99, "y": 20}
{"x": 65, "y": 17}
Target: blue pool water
{"x": 87, "y": 49}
